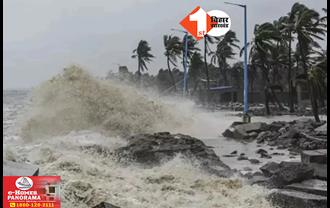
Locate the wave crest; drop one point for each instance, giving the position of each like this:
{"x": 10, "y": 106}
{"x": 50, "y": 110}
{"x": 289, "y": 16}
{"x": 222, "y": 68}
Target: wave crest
{"x": 74, "y": 100}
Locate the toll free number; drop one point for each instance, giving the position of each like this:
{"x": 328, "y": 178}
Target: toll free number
{"x": 34, "y": 204}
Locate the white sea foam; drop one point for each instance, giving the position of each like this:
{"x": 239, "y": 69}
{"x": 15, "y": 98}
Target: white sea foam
{"x": 75, "y": 110}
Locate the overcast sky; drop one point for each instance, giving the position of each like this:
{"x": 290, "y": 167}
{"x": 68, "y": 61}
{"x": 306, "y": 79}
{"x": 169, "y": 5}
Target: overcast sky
{"x": 41, "y": 37}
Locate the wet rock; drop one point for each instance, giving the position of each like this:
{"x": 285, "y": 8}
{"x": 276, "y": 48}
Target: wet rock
{"x": 322, "y": 129}
{"x": 277, "y": 154}
{"x": 296, "y": 199}
{"x": 105, "y": 205}
{"x": 247, "y": 169}
{"x": 254, "y": 161}
{"x": 253, "y": 135}
{"x": 316, "y": 159}
{"x": 153, "y": 149}
{"x": 234, "y": 152}
{"x": 258, "y": 179}
{"x": 314, "y": 156}
{"x": 276, "y": 125}
{"x": 245, "y": 131}
{"x": 291, "y": 133}
{"x": 265, "y": 155}
{"x": 265, "y": 136}
{"x": 229, "y": 133}
{"x": 229, "y": 155}
{"x": 261, "y": 151}
{"x": 242, "y": 157}
{"x": 286, "y": 173}
{"x": 270, "y": 168}
{"x": 312, "y": 186}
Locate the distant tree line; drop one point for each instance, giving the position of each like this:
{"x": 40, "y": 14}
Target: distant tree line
{"x": 283, "y": 54}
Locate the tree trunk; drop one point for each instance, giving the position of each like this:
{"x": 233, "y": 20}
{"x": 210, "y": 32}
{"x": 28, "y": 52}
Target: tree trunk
{"x": 170, "y": 73}
{"x": 267, "y": 100}
{"x": 271, "y": 91}
{"x": 139, "y": 73}
{"x": 206, "y": 72}
{"x": 206, "y": 67}
{"x": 195, "y": 86}
{"x": 311, "y": 90}
{"x": 314, "y": 102}
{"x": 291, "y": 97}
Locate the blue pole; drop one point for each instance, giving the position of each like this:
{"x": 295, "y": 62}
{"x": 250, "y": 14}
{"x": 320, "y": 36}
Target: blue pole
{"x": 246, "y": 80}
{"x": 185, "y": 64}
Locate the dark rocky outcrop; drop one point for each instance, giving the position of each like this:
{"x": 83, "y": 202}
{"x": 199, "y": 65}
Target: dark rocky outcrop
{"x": 105, "y": 205}
{"x": 302, "y": 134}
{"x": 295, "y": 199}
{"x": 286, "y": 173}
{"x": 244, "y": 131}
{"x": 153, "y": 149}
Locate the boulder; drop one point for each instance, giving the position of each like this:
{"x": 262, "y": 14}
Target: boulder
{"x": 245, "y": 131}
{"x": 312, "y": 186}
{"x": 295, "y": 199}
{"x": 291, "y": 133}
{"x": 229, "y": 132}
{"x": 316, "y": 159}
{"x": 270, "y": 168}
{"x": 153, "y": 149}
{"x": 242, "y": 157}
{"x": 105, "y": 205}
{"x": 287, "y": 173}
{"x": 234, "y": 152}
{"x": 322, "y": 128}
{"x": 254, "y": 161}
{"x": 264, "y": 135}
{"x": 276, "y": 125}
{"x": 261, "y": 151}
{"x": 314, "y": 156}
{"x": 19, "y": 169}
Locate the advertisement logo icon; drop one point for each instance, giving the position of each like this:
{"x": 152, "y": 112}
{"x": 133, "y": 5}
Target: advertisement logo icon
{"x": 24, "y": 183}
{"x": 200, "y": 23}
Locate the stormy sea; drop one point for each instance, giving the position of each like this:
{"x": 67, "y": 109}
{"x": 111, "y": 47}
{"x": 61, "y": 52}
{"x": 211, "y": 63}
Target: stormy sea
{"x": 49, "y": 126}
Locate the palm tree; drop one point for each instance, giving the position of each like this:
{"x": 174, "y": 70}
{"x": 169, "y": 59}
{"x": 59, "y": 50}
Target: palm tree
{"x": 191, "y": 48}
{"x": 261, "y": 47}
{"x": 173, "y": 48}
{"x": 195, "y": 69}
{"x": 308, "y": 27}
{"x": 143, "y": 55}
{"x": 286, "y": 25}
{"x": 225, "y": 50}
{"x": 207, "y": 41}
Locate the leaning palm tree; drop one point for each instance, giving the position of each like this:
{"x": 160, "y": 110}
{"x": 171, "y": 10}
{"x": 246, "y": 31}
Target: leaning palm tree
{"x": 286, "y": 26}
{"x": 308, "y": 27}
{"x": 224, "y": 51}
{"x": 263, "y": 43}
{"x": 191, "y": 48}
{"x": 195, "y": 70}
{"x": 143, "y": 55}
{"x": 207, "y": 41}
{"x": 173, "y": 48}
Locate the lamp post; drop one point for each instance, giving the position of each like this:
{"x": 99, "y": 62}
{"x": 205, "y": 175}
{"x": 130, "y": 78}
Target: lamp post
{"x": 185, "y": 60}
{"x": 246, "y": 117}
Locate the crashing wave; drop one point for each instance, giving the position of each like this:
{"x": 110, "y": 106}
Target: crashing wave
{"x": 74, "y": 100}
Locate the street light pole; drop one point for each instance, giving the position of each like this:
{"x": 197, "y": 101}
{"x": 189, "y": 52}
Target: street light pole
{"x": 246, "y": 117}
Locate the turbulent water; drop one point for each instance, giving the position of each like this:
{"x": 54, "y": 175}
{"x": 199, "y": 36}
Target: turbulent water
{"x": 51, "y": 126}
